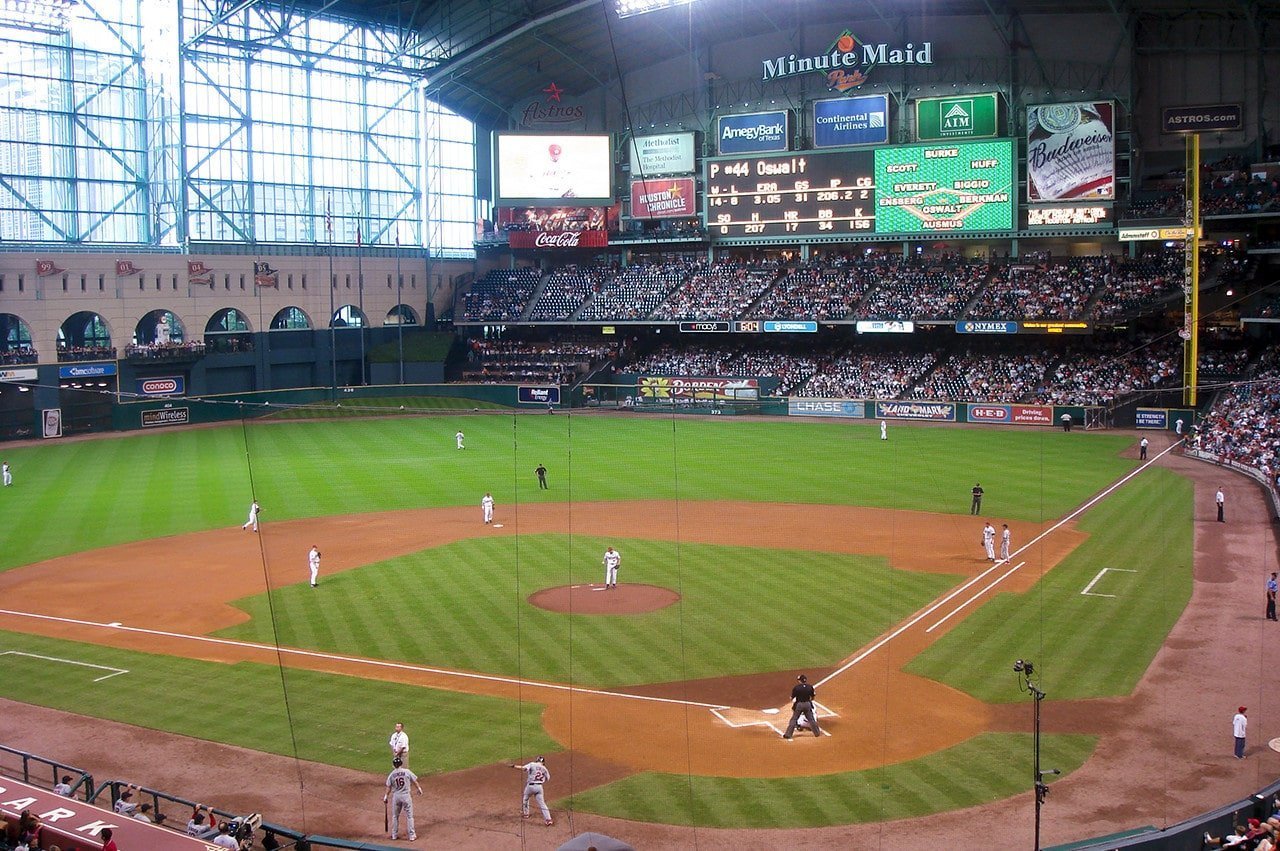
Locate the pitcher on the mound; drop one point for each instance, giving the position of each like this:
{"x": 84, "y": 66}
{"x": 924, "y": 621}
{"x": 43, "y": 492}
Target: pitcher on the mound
{"x": 612, "y": 558}
{"x": 535, "y": 775}
{"x": 398, "y": 788}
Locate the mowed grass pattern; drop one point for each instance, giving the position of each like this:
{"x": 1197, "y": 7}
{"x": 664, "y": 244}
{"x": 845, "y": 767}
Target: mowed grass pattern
{"x": 336, "y": 720}
{"x": 971, "y": 773}
{"x": 1144, "y": 527}
{"x": 465, "y": 606}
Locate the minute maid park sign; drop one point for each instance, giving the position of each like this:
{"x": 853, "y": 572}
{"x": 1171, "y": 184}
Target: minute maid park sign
{"x": 848, "y": 63}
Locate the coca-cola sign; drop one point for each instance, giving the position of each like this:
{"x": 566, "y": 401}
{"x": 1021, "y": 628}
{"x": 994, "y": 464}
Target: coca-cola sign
{"x": 564, "y": 239}
{"x": 558, "y": 239}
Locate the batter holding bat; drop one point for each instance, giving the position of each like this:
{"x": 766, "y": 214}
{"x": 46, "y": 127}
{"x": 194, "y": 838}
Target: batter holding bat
{"x": 401, "y": 801}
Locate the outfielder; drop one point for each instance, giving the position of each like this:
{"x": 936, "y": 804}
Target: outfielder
{"x": 313, "y": 560}
{"x": 8, "y": 476}
{"x": 253, "y": 517}
{"x": 458, "y": 437}
{"x": 535, "y": 774}
{"x": 1005, "y": 539}
{"x": 989, "y": 540}
{"x": 487, "y": 505}
{"x": 398, "y": 788}
{"x": 612, "y": 558}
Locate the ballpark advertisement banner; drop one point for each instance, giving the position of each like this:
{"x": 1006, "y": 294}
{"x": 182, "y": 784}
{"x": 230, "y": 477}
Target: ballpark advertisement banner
{"x": 676, "y": 387}
{"x": 51, "y": 418}
{"x": 88, "y": 370}
{"x": 538, "y": 395}
{"x": 168, "y": 386}
{"x": 166, "y": 417}
{"x": 1212, "y": 118}
{"x": 668, "y": 153}
{"x": 862, "y": 120}
{"x": 826, "y": 408}
{"x": 990, "y": 413}
{"x": 558, "y": 239}
{"x": 1071, "y": 151}
{"x": 969, "y": 326}
{"x": 941, "y": 411}
{"x": 1152, "y": 418}
{"x": 754, "y": 132}
{"x": 1014, "y": 414}
{"x": 1041, "y": 415}
{"x": 960, "y": 117}
{"x": 19, "y": 374}
{"x": 671, "y": 197}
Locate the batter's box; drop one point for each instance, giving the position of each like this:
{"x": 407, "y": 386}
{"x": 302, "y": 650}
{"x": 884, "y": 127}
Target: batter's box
{"x": 775, "y": 719}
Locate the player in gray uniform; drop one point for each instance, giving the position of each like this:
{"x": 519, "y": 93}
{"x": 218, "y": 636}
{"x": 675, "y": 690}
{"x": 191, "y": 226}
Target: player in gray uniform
{"x": 535, "y": 775}
{"x": 398, "y": 788}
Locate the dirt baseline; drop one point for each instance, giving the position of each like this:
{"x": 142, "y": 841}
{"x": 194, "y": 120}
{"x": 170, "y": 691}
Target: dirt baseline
{"x": 626, "y": 599}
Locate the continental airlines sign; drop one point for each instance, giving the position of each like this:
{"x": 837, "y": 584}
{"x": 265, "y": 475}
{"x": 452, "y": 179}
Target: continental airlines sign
{"x": 848, "y": 62}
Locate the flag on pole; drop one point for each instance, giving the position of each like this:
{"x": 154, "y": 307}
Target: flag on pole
{"x": 328, "y": 216}
{"x": 198, "y": 273}
{"x": 264, "y": 275}
{"x": 126, "y": 267}
{"x": 359, "y": 242}
{"x": 48, "y": 267}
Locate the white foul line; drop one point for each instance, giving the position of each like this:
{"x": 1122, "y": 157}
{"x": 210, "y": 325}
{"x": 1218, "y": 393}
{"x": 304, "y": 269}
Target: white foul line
{"x": 118, "y": 671}
{"x": 993, "y": 584}
{"x": 357, "y": 660}
{"x": 1088, "y": 588}
{"x": 928, "y": 611}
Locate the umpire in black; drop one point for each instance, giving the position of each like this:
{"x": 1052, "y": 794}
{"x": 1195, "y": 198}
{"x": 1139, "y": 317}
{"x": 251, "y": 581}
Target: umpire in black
{"x": 802, "y": 704}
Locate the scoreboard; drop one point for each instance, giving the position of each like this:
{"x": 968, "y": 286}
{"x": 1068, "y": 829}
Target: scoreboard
{"x": 943, "y": 188}
{"x": 956, "y": 187}
{"x": 814, "y": 193}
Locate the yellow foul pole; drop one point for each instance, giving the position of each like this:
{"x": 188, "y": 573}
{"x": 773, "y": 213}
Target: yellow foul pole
{"x": 1191, "y": 275}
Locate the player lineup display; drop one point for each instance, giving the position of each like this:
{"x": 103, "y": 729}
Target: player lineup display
{"x": 940, "y": 188}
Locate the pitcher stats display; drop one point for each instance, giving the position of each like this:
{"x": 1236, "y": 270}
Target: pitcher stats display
{"x": 793, "y": 195}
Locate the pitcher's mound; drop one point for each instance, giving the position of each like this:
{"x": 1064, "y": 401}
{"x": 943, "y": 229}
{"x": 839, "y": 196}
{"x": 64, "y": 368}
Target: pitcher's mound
{"x": 626, "y": 599}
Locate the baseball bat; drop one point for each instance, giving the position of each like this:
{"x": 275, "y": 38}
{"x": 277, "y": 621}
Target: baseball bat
{"x": 386, "y": 817}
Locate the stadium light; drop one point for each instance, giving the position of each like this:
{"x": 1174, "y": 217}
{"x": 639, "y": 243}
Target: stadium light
{"x": 628, "y": 8}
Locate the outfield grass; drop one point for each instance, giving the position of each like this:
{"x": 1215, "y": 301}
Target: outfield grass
{"x": 974, "y": 772}
{"x": 383, "y": 406}
{"x": 1084, "y": 646}
{"x": 82, "y": 495}
{"x": 195, "y": 698}
{"x": 464, "y": 606}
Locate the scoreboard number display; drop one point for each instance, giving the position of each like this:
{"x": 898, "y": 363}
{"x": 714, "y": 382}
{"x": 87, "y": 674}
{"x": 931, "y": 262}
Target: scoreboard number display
{"x": 802, "y": 194}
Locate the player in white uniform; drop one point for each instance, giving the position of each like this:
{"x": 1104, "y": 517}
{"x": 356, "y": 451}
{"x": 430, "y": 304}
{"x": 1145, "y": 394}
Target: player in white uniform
{"x": 313, "y": 561}
{"x": 458, "y": 438}
{"x": 399, "y": 743}
{"x": 487, "y": 505}
{"x": 253, "y": 517}
{"x": 884, "y": 430}
{"x": 1005, "y": 539}
{"x": 8, "y": 476}
{"x": 401, "y": 801}
{"x": 535, "y": 775}
{"x": 989, "y": 540}
{"x": 612, "y": 558}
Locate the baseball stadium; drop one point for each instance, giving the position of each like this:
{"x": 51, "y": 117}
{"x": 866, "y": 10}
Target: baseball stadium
{"x": 658, "y": 424}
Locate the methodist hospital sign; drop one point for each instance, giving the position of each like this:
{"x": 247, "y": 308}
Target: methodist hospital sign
{"x": 848, "y": 62}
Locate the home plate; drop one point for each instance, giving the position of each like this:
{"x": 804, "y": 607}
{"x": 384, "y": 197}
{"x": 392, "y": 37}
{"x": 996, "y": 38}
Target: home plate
{"x": 773, "y": 711}
{"x": 598, "y": 588}
{"x": 1274, "y": 744}
{"x": 497, "y": 525}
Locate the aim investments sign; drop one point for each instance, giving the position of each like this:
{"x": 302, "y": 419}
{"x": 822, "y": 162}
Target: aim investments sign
{"x": 848, "y": 63}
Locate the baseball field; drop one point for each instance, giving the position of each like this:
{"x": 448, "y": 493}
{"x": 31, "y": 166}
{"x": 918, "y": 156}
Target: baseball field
{"x": 752, "y": 550}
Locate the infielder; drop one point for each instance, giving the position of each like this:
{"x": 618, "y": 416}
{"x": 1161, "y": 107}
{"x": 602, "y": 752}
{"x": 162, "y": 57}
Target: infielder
{"x": 313, "y": 560}
{"x": 458, "y": 438}
{"x": 253, "y": 517}
{"x": 612, "y": 558}
{"x": 535, "y": 774}
{"x": 487, "y": 505}
{"x": 989, "y": 540}
{"x": 1005, "y": 539}
{"x": 398, "y": 788}
{"x": 8, "y": 476}
{"x": 399, "y": 743}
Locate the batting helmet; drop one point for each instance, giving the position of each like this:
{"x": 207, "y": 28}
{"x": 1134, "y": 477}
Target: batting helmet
{"x": 542, "y": 759}
{"x": 397, "y": 762}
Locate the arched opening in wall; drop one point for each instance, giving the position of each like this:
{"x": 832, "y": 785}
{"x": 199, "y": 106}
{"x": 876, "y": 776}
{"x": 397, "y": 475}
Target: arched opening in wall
{"x": 85, "y": 336}
{"x": 227, "y": 331}
{"x": 401, "y": 314}
{"x": 159, "y": 328}
{"x": 348, "y": 316}
{"x": 290, "y": 319}
{"x": 15, "y": 340}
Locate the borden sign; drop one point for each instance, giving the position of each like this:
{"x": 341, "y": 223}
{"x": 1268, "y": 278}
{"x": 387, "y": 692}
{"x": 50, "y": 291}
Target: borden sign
{"x": 671, "y": 197}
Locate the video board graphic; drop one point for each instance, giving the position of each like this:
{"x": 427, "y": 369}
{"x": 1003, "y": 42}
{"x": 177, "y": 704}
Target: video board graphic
{"x": 956, "y": 187}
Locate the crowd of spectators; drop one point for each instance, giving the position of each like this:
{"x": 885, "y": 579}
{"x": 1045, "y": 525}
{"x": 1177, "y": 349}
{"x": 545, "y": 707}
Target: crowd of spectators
{"x": 84, "y": 353}
{"x": 160, "y": 351}
{"x": 1131, "y": 284}
{"x": 18, "y": 354}
{"x": 1244, "y": 425}
{"x": 1028, "y": 290}
{"x": 636, "y": 292}
{"x": 565, "y": 291}
{"x": 921, "y": 288}
{"x": 721, "y": 291}
{"x": 505, "y": 361}
{"x": 814, "y": 291}
{"x": 501, "y": 295}
{"x": 1228, "y": 187}
{"x": 791, "y": 370}
{"x": 1098, "y": 372}
{"x": 865, "y": 374}
{"x": 985, "y": 376}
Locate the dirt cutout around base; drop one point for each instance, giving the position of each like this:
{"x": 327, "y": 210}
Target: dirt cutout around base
{"x": 626, "y": 599}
